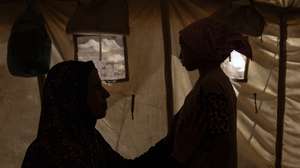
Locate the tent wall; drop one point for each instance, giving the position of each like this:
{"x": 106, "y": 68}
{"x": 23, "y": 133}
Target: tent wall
{"x": 19, "y": 99}
{"x": 145, "y": 46}
{"x": 20, "y": 106}
{"x": 262, "y": 135}
{"x": 291, "y": 138}
{"x": 260, "y": 128}
{"x": 57, "y": 14}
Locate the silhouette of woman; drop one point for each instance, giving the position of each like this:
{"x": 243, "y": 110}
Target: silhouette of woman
{"x": 67, "y": 137}
{"x": 205, "y": 133}
{"x": 73, "y": 100}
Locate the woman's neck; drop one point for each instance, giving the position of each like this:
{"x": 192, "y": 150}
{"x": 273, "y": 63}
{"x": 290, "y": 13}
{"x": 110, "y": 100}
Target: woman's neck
{"x": 206, "y": 69}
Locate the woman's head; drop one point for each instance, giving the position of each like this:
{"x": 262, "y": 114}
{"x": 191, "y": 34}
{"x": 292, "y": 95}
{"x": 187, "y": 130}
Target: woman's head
{"x": 67, "y": 94}
{"x": 191, "y": 60}
{"x": 207, "y": 43}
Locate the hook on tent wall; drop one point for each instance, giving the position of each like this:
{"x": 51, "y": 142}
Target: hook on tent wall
{"x": 132, "y": 106}
{"x": 255, "y": 102}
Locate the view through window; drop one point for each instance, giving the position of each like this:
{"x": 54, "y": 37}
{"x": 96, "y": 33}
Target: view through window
{"x": 108, "y": 52}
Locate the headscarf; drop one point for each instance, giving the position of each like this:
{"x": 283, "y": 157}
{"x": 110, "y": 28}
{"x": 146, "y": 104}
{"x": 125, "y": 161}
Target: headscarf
{"x": 67, "y": 136}
{"x": 213, "y": 41}
{"x": 64, "y": 103}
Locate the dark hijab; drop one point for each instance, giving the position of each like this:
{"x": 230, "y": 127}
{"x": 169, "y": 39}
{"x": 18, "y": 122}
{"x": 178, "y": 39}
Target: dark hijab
{"x": 64, "y": 105}
{"x": 67, "y": 136}
{"x": 213, "y": 41}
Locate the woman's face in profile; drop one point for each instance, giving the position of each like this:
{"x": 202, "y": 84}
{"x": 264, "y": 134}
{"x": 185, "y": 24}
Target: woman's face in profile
{"x": 188, "y": 59}
{"x": 97, "y": 96}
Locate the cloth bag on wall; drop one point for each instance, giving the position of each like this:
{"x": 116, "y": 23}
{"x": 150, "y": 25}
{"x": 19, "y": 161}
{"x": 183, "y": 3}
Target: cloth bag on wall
{"x": 29, "y": 45}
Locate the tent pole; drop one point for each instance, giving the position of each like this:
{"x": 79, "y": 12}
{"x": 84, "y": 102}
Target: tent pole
{"x": 168, "y": 58}
{"x": 281, "y": 90}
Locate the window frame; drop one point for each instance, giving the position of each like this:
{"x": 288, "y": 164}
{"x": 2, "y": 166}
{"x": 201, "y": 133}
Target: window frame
{"x": 76, "y": 57}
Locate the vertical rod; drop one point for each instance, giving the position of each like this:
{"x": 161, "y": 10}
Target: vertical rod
{"x": 100, "y": 46}
{"x": 41, "y": 81}
{"x": 75, "y": 43}
{"x": 281, "y": 90}
{"x": 132, "y": 106}
{"x": 168, "y": 58}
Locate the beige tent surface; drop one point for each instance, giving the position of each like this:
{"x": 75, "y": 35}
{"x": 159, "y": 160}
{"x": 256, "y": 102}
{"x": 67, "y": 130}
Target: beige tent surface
{"x": 20, "y": 102}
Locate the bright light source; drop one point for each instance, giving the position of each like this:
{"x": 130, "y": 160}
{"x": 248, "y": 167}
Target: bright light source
{"x": 108, "y": 52}
{"x": 235, "y": 66}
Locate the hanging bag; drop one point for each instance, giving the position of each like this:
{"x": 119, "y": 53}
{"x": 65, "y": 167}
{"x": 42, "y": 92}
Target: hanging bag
{"x": 29, "y": 45}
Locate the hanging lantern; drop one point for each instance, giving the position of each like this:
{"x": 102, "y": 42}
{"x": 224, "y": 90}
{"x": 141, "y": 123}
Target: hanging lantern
{"x": 236, "y": 66}
{"x": 99, "y": 31}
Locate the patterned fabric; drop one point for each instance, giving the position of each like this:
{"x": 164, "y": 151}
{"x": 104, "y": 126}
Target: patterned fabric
{"x": 217, "y": 113}
{"x": 205, "y": 133}
{"x": 67, "y": 137}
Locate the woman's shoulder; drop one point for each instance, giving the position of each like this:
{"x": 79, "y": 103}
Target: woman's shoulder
{"x": 36, "y": 155}
{"x": 52, "y": 152}
{"x": 214, "y": 82}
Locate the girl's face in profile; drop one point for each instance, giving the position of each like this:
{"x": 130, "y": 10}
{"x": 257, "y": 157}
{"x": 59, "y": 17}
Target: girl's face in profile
{"x": 97, "y": 96}
{"x": 188, "y": 58}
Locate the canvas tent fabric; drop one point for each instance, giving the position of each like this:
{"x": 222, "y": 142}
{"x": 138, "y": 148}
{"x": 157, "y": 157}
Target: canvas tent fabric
{"x": 19, "y": 97}
{"x": 83, "y": 20}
